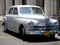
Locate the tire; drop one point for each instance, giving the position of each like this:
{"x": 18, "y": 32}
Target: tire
{"x": 5, "y": 27}
{"x": 22, "y": 32}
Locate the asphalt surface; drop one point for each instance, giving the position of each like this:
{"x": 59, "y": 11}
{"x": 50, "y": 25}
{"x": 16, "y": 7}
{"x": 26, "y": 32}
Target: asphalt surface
{"x": 10, "y": 38}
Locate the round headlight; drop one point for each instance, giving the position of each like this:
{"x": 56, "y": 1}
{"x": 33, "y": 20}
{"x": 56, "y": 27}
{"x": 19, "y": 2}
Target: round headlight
{"x": 56, "y": 23}
{"x": 30, "y": 23}
{"x": 30, "y": 26}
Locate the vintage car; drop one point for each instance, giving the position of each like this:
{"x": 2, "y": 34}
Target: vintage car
{"x": 29, "y": 20}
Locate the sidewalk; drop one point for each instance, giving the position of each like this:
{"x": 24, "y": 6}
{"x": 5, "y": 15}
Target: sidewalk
{"x": 1, "y": 18}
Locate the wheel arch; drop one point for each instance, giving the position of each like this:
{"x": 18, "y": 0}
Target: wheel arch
{"x": 20, "y": 26}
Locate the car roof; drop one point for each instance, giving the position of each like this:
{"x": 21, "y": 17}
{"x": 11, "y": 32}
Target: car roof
{"x": 25, "y": 6}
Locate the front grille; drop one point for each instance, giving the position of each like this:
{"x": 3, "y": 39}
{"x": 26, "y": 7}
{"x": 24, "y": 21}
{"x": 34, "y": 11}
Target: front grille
{"x": 47, "y": 28}
{"x": 39, "y": 26}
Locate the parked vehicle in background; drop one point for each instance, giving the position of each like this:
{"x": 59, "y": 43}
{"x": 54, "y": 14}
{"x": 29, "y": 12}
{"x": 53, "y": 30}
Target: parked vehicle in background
{"x": 29, "y": 20}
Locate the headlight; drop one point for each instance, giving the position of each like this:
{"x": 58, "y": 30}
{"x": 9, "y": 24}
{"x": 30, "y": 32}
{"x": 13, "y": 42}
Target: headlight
{"x": 56, "y": 23}
{"x": 30, "y": 26}
{"x": 30, "y": 23}
{"x": 33, "y": 22}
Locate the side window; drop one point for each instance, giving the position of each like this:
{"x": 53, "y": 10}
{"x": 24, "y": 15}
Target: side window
{"x": 15, "y": 11}
{"x": 10, "y": 11}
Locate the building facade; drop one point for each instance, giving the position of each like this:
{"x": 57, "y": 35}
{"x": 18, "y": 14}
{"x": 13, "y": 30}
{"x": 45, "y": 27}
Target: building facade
{"x": 50, "y": 7}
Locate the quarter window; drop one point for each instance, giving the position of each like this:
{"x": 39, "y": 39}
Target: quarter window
{"x": 10, "y": 11}
{"x": 15, "y": 11}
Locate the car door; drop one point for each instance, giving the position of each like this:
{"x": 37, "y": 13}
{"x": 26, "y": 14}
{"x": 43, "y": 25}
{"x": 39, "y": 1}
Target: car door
{"x": 14, "y": 19}
{"x": 9, "y": 19}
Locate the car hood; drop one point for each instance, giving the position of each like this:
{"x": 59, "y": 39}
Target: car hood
{"x": 35, "y": 16}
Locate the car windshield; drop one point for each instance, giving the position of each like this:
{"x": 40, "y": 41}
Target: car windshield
{"x": 25, "y": 10}
{"x": 29, "y": 10}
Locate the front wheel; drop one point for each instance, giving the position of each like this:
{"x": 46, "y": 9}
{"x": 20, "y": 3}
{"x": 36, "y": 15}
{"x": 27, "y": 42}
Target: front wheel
{"x": 22, "y": 32}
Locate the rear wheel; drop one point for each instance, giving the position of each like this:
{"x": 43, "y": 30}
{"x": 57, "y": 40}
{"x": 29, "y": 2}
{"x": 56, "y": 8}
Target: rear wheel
{"x": 5, "y": 27}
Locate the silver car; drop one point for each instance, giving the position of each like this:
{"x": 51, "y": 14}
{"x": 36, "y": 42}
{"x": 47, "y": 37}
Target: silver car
{"x": 29, "y": 20}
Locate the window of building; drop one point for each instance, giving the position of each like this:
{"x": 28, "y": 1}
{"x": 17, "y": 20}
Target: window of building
{"x": 42, "y": 3}
{"x": 23, "y": 2}
{"x": 13, "y": 2}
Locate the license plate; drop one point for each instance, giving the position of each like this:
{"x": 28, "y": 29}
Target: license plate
{"x": 46, "y": 33}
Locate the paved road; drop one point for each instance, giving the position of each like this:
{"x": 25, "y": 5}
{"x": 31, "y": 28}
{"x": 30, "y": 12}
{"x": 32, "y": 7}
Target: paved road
{"x": 9, "y": 38}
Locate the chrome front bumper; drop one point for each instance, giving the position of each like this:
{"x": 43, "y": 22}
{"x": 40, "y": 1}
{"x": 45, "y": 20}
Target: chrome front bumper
{"x": 39, "y": 32}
